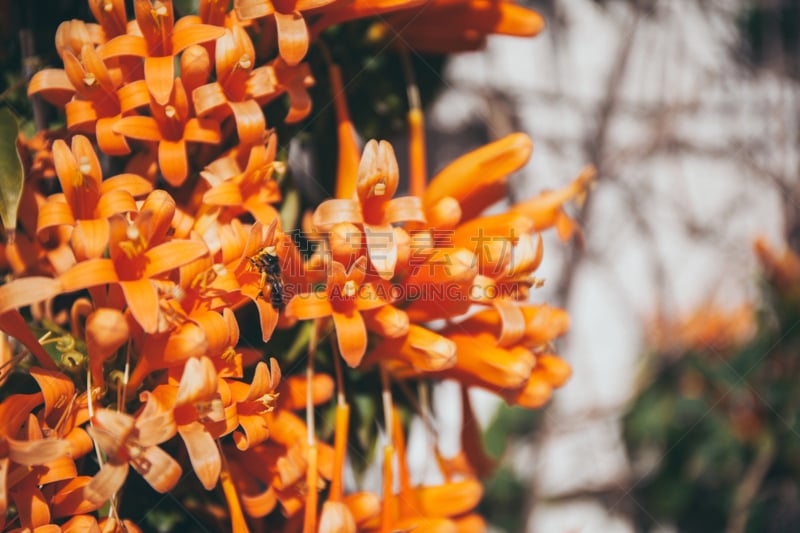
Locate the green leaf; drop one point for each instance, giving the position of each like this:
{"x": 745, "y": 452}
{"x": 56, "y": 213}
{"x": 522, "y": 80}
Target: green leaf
{"x": 11, "y": 175}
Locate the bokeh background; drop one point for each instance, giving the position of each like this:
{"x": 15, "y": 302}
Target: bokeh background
{"x": 682, "y": 413}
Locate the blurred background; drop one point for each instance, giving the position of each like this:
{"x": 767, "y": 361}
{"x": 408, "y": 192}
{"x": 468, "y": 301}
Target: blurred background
{"x": 682, "y": 412}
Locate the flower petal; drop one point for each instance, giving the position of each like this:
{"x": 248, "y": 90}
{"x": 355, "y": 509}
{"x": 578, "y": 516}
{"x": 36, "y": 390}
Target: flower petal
{"x": 477, "y": 179}
{"x": 382, "y": 249}
{"x": 26, "y": 291}
{"x": 198, "y": 382}
{"x": 142, "y": 299}
{"x": 173, "y": 162}
{"x": 54, "y": 213}
{"x": 268, "y": 318}
{"x": 159, "y": 73}
{"x": 53, "y": 85}
{"x": 556, "y": 370}
{"x": 87, "y": 274}
{"x": 332, "y": 212}
{"x": 160, "y": 470}
{"x": 138, "y": 127}
{"x": 307, "y": 306}
{"x": 351, "y": 335}
{"x": 250, "y": 123}
{"x": 172, "y": 254}
{"x": 208, "y": 98}
{"x": 132, "y": 183}
{"x": 251, "y": 9}
{"x": 106, "y": 483}
{"x": 404, "y": 209}
{"x": 132, "y": 95}
{"x": 108, "y": 140}
{"x": 90, "y": 238}
{"x": 202, "y": 131}
{"x": 124, "y": 45}
{"x": 226, "y": 193}
{"x": 336, "y": 518}
{"x": 36, "y": 452}
{"x": 56, "y": 388}
{"x": 203, "y": 453}
{"x": 185, "y": 36}
{"x": 387, "y": 321}
{"x": 292, "y": 36}
{"x": 69, "y": 500}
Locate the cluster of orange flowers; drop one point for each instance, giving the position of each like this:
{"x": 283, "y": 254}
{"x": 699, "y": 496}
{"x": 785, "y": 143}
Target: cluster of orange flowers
{"x": 123, "y": 291}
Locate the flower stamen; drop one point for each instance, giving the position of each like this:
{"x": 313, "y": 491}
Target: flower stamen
{"x": 134, "y": 245}
{"x": 89, "y": 80}
{"x": 349, "y": 289}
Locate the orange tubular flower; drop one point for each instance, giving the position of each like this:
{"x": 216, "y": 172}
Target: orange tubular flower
{"x": 111, "y": 15}
{"x": 128, "y": 440}
{"x": 234, "y": 281}
{"x": 200, "y": 416}
{"x": 172, "y": 127}
{"x": 27, "y": 452}
{"x": 344, "y": 296}
{"x": 87, "y": 202}
{"x": 445, "y": 507}
{"x": 374, "y": 208}
{"x": 253, "y": 402}
{"x": 251, "y": 189}
{"x": 283, "y": 459}
{"x": 160, "y": 41}
{"x": 478, "y": 179}
{"x": 547, "y": 209}
{"x": 358, "y": 9}
{"x": 470, "y": 21}
{"x": 239, "y": 87}
{"x": 292, "y": 30}
{"x": 138, "y": 252}
{"x": 99, "y": 97}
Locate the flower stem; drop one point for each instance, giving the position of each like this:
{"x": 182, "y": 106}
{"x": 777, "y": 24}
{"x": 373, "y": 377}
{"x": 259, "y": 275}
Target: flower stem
{"x": 417, "y": 169}
{"x": 238, "y": 523}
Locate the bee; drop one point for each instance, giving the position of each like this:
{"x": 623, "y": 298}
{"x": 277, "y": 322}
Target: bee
{"x": 267, "y": 262}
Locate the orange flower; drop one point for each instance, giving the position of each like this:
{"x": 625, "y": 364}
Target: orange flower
{"x": 160, "y": 41}
{"x": 547, "y": 209}
{"x": 357, "y": 9}
{"x": 87, "y": 202}
{"x": 781, "y": 267}
{"x": 253, "y": 402}
{"x": 200, "y": 416}
{"x": 127, "y": 440}
{"x": 138, "y": 252}
{"x": 111, "y": 15}
{"x": 343, "y": 297}
{"x": 445, "y": 507}
{"x": 291, "y": 26}
{"x": 283, "y": 459}
{"x": 99, "y": 97}
{"x": 374, "y": 208}
{"x": 31, "y": 451}
{"x": 251, "y": 189}
{"x": 469, "y": 22}
{"x": 478, "y": 179}
{"x": 232, "y": 280}
{"x": 172, "y": 127}
{"x": 238, "y": 86}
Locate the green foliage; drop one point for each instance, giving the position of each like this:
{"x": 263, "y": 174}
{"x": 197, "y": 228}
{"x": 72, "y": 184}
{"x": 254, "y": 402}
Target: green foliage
{"x": 11, "y": 175}
{"x": 715, "y": 435}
